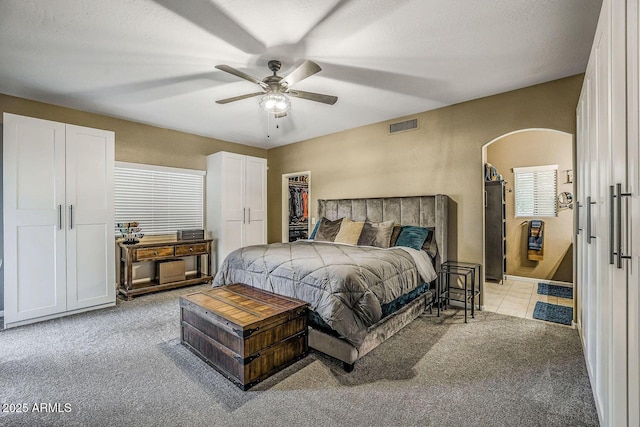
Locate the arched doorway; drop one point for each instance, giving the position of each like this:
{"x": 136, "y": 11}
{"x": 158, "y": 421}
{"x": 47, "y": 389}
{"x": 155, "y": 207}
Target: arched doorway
{"x": 517, "y": 294}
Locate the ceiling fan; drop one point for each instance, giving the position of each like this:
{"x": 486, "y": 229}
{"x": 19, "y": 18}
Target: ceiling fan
{"x": 276, "y": 88}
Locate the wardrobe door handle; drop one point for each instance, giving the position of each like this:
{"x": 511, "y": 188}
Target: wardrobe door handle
{"x": 578, "y": 206}
{"x": 618, "y": 253}
{"x": 589, "y": 236}
{"x": 244, "y": 215}
{"x": 70, "y": 217}
{"x": 611, "y": 221}
{"x": 59, "y": 217}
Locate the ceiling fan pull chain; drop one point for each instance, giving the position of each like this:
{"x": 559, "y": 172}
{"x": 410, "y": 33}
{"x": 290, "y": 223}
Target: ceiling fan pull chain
{"x": 268, "y": 125}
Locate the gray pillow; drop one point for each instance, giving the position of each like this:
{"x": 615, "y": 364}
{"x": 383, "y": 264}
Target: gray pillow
{"x": 376, "y": 234}
{"x": 430, "y": 245}
{"x": 328, "y": 230}
{"x": 394, "y": 235}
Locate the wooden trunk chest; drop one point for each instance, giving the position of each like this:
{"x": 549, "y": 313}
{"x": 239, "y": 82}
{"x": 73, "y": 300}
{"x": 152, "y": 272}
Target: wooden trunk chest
{"x": 245, "y": 333}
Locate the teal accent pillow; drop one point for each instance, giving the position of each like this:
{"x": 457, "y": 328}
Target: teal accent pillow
{"x": 315, "y": 230}
{"x": 413, "y": 237}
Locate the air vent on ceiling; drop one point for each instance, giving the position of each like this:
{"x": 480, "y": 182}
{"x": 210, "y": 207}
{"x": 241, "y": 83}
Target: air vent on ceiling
{"x": 403, "y": 126}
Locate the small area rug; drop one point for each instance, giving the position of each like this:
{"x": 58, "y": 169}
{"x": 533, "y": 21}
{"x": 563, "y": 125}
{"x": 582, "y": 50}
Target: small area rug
{"x": 555, "y": 290}
{"x": 553, "y": 313}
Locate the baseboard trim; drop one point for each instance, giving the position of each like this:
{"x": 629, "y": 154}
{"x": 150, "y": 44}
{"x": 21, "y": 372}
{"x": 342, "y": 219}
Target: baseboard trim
{"x": 534, "y": 280}
{"x": 57, "y": 315}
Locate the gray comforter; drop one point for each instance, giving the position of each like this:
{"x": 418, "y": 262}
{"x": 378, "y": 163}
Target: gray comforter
{"x": 346, "y": 285}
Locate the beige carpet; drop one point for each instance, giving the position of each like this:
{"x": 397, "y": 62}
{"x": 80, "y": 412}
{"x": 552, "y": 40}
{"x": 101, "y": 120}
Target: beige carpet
{"x": 124, "y": 366}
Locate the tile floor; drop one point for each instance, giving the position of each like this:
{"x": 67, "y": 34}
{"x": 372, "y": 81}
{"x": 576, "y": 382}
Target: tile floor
{"x": 517, "y": 298}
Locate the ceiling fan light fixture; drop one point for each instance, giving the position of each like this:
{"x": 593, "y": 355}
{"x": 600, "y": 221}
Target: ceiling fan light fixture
{"x": 275, "y": 103}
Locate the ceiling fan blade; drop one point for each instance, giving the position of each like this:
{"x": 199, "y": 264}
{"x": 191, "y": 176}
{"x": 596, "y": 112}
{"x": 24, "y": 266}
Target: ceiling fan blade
{"x": 153, "y": 89}
{"x": 213, "y": 19}
{"x": 242, "y": 75}
{"x": 423, "y": 87}
{"x": 311, "y": 96}
{"x": 306, "y": 69}
{"x": 238, "y": 98}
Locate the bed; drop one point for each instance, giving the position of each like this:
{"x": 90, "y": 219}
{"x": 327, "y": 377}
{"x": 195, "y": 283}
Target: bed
{"x": 360, "y": 295}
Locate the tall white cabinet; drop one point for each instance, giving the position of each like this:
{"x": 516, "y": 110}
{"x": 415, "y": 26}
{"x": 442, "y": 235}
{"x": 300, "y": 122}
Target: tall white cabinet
{"x": 631, "y": 231}
{"x": 236, "y": 201}
{"x": 59, "y": 256}
{"x": 607, "y": 253}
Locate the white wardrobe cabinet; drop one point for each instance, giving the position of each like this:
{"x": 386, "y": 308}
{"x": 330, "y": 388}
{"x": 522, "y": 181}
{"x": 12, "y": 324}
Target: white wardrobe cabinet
{"x": 58, "y": 219}
{"x": 607, "y": 216}
{"x": 236, "y": 201}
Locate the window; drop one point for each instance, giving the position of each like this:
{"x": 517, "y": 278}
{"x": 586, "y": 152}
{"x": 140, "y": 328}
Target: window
{"x": 536, "y": 189}
{"x": 162, "y": 200}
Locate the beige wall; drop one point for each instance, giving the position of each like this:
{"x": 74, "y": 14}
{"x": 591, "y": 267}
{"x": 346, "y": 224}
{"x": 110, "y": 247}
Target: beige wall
{"x": 135, "y": 142}
{"x": 536, "y": 148}
{"x": 443, "y": 156}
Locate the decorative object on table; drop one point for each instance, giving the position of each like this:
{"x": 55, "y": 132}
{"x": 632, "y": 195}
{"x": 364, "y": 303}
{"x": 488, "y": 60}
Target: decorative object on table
{"x": 555, "y": 290}
{"x": 130, "y": 232}
{"x": 553, "y": 313}
{"x": 191, "y": 234}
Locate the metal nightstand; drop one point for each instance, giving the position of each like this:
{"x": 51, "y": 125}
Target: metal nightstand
{"x": 467, "y": 271}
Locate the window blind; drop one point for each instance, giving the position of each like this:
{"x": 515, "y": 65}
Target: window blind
{"x": 162, "y": 200}
{"x": 536, "y": 189}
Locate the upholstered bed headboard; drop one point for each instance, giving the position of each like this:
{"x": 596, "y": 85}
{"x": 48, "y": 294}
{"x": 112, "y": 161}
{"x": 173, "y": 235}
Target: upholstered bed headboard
{"x": 423, "y": 211}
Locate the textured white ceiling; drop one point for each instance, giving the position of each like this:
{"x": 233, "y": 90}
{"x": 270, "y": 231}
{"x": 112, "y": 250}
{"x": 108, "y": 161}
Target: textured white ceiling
{"x": 152, "y": 61}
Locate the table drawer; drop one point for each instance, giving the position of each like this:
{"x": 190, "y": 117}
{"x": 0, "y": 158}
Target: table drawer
{"x": 158, "y": 252}
{"x": 193, "y": 249}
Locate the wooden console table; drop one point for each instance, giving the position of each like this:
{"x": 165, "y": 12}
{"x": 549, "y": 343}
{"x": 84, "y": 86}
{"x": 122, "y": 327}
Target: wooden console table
{"x": 162, "y": 250}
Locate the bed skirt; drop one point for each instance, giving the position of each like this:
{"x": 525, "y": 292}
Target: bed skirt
{"x": 377, "y": 334}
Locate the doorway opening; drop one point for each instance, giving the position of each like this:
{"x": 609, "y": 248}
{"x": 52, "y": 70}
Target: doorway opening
{"x": 516, "y": 257}
{"x": 296, "y": 199}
